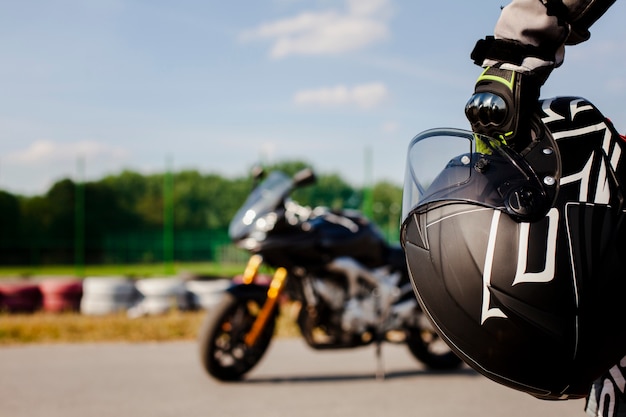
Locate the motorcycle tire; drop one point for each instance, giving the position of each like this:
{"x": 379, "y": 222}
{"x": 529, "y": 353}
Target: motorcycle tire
{"x": 427, "y": 347}
{"x": 223, "y": 352}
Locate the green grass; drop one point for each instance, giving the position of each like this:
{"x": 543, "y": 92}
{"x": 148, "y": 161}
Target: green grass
{"x": 131, "y": 270}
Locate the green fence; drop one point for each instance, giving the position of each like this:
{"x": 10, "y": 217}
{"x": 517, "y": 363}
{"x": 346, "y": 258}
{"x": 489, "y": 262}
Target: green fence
{"x": 123, "y": 248}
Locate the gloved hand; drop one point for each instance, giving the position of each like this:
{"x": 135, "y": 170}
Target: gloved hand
{"x": 502, "y": 104}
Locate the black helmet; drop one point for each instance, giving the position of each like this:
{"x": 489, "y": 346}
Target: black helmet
{"x": 515, "y": 254}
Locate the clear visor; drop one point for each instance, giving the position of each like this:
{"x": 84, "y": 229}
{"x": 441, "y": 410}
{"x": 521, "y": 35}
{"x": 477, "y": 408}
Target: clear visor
{"x": 458, "y": 165}
{"x": 429, "y": 153}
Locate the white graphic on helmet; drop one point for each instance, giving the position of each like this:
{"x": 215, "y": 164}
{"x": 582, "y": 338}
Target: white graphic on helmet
{"x": 521, "y": 275}
{"x": 592, "y": 190}
{"x": 488, "y": 311}
{"x": 613, "y": 154}
{"x": 547, "y": 275}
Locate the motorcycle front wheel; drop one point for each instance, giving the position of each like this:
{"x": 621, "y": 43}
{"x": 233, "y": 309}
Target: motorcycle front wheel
{"x": 223, "y": 351}
{"x": 427, "y": 347}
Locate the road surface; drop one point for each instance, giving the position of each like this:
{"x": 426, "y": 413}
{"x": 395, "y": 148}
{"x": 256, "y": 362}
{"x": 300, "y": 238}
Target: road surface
{"x": 166, "y": 379}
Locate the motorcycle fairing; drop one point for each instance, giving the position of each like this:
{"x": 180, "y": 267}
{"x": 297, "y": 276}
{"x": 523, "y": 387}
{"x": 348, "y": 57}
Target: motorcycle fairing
{"x": 321, "y": 239}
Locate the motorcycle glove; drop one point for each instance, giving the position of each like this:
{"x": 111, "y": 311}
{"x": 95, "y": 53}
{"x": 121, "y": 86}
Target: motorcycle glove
{"x": 502, "y": 104}
{"x": 507, "y": 92}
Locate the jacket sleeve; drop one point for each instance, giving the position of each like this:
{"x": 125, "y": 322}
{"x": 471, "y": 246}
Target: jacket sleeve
{"x": 549, "y": 24}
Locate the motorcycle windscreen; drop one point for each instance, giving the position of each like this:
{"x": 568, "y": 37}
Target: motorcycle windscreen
{"x": 262, "y": 200}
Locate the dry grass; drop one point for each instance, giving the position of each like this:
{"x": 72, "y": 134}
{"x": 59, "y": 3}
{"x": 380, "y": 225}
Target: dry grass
{"x": 76, "y": 328}
{"x": 16, "y": 329}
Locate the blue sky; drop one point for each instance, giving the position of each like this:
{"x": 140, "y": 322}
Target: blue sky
{"x": 220, "y": 85}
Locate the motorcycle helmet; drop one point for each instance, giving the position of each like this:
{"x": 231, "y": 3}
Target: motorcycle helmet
{"x": 514, "y": 255}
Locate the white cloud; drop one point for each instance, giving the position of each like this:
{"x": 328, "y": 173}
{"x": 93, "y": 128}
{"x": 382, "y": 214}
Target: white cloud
{"x": 33, "y": 169}
{"x": 43, "y": 151}
{"x": 368, "y": 7}
{"x": 327, "y": 32}
{"x": 390, "y": 127}
{"x": 365, "y": 96}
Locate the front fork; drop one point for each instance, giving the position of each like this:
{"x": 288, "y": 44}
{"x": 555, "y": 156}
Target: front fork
{"x": 273, "y": 292}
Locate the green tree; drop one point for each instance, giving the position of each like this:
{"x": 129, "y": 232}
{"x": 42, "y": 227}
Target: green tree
{"x": 104, "y": 213}
{"x": 128, "y": 207}
{"x": 207, "y": 201}
{"x": 59, "y": 211}
{"x": 329, "y": 191}
{"x": 9, "y": 216}
{"x": 139, "y": 194}
{"x": 387, "y": 206}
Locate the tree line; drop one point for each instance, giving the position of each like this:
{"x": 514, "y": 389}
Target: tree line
{"x": 120, "y": 218}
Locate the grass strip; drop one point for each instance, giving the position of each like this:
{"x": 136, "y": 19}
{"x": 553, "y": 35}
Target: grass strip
{"x": 130, "y": 270}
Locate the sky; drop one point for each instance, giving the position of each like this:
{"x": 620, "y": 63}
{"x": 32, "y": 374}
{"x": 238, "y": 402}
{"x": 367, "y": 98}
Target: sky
{"x": 91, "y": 88}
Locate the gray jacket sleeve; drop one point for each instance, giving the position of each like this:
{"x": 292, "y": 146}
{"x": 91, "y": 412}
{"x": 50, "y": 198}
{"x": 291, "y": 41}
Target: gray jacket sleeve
{"x": 548, "y": 24}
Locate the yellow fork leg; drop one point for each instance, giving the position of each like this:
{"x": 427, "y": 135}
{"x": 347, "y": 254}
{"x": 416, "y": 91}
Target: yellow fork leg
{"x": 275, "y": 289}
{"x": 252, "y": 269}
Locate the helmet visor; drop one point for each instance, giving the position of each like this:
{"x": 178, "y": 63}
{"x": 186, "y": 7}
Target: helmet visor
{"x": 429, "y": 154}
{"x": 458, "y": 165}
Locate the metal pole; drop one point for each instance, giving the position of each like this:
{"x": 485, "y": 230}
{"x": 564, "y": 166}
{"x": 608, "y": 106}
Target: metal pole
{"x": 368, "y": 201}
{"x": 79, "y": 219}
{"x": 168, "y": 218}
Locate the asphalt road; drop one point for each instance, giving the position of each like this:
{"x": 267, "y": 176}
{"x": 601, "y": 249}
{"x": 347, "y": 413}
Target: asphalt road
{"x": 166, "y": 379}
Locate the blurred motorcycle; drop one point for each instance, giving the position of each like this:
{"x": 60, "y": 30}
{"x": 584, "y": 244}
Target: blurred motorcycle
{"x": 352, "y": 288}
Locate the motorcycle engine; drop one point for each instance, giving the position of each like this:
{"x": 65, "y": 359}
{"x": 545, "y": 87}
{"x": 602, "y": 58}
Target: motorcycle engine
{"x": 331, "y": 292}
{"x": 363, "y": 299}
{"x": 359, "y": 314}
